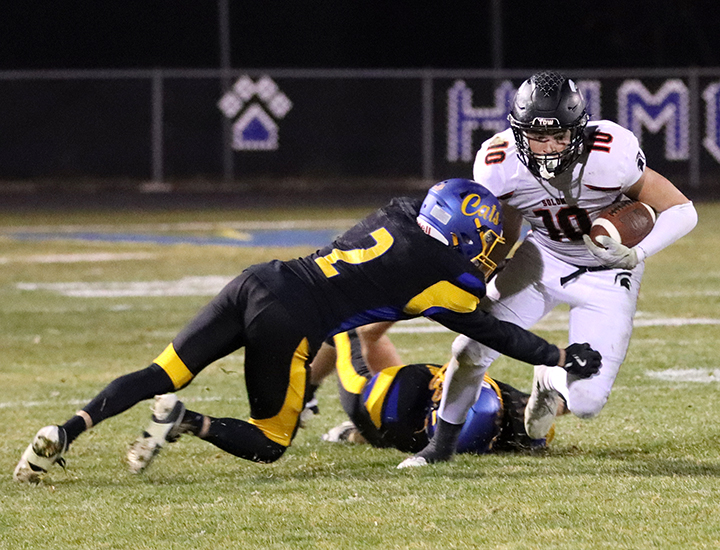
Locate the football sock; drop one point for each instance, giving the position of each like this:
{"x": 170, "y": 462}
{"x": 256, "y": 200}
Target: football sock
{"x": 556, "y": 379}
{"x": 310, "y": 401}
{"x": 193, "y": 422}
{"x": 310, "y": 391}
{"x": 74, "y": 427}
{"x": 128, "y": 390}
{"x": 442, "y": 446}
{"x": 243, "y": 439}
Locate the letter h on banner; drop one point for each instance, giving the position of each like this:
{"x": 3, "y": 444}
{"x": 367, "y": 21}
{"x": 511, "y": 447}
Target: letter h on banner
{"x": 464, "y": 119}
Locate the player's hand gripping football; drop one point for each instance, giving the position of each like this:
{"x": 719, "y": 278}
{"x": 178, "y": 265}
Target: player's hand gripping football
{"x": 581, "y": 360}
{"x": 614, "y": 254}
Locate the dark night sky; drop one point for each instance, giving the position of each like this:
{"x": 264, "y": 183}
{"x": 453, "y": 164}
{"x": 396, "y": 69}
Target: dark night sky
{"x": 50, "y": 34}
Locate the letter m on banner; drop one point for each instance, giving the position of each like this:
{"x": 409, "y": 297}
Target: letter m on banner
{"x": 668, "y": 108}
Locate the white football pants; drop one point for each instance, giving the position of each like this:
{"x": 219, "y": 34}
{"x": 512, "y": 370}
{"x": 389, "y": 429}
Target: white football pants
{"x": 602, "y": 306}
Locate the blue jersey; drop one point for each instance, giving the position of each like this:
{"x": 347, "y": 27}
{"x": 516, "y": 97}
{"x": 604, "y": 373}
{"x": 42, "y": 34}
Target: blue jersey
{"x": 397, "y": 407}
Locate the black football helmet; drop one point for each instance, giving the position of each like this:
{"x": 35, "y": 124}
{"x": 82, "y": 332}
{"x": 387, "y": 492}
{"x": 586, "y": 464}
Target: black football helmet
{"x": 545, "y": 103}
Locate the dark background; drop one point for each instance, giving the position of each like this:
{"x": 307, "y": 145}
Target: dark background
{"x": 49, "y": 123}
{"x": 83, "y": 34}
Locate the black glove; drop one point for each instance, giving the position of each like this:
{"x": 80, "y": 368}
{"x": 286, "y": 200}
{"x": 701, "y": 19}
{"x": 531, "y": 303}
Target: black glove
{"x": 581, "y": 360}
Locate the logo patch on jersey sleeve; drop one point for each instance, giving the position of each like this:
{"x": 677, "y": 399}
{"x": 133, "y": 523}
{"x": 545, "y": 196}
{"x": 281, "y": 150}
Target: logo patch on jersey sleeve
{"x": 640, "y": 160}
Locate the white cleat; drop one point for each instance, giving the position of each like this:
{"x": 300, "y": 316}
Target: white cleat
{"x": 542, "y": 406}
{"x": 46, "y": 449}
{"x": 340, "y": 433}
{"x": 413, "y": 462}
{"x": 164, "y": 427}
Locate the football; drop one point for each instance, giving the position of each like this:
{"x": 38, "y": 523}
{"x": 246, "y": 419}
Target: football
{"x": 628, "y": 222}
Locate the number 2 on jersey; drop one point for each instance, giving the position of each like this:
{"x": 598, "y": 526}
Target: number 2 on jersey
{"x": 383, "y": 242}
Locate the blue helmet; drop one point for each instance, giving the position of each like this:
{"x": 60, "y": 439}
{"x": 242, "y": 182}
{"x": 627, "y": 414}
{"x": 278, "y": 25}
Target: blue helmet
{"x": 466, "y": 216}
{"x": 495, "y": 422}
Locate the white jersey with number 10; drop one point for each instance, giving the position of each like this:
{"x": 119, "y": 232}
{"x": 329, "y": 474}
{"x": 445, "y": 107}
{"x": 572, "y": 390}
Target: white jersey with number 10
{"x": 559, "y": 214}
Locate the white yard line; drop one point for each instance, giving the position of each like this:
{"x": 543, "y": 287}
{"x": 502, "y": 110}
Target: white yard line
{"x": 182, "y": 226}
{"x": 187, "y": 286}
{"x": 685, "y": 375}
{"x": 689, "y": 293}
{"x": 211, "y": 285}
{"x": 80, "y": 402}
{"x": 414, "y": 326}
{"x": 76, "y": 258}
{"x": 557, "y": 321}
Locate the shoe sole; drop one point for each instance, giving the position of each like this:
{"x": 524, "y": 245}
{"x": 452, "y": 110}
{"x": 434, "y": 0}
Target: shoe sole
{"x": 145, "y": 448}
{"x": 412, "y": 462}
{"x": 40, "y": 455}
{"x": 540, "y": 417}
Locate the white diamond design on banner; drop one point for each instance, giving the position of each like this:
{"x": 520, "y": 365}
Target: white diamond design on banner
{"x": 256, "y": 107}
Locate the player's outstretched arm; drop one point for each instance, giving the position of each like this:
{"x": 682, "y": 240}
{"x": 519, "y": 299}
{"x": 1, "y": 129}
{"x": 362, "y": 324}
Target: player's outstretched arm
{"x": 676, "y": 218}
{"x": 518, "y": 343}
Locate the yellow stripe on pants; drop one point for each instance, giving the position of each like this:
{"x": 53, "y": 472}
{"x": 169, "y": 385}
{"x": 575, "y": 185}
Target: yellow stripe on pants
{"x": 174, "y": 367}
{"x": 280, "y": 427}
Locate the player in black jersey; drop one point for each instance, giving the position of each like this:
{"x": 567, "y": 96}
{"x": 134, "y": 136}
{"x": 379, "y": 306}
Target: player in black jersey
{"x": 411, "y": 258}
{"x": 397, "y": 407}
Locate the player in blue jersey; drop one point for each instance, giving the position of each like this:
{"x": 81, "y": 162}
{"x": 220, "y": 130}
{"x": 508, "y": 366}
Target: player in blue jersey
{"x": 411, "y": 258}
{"x": 397, "y": 407}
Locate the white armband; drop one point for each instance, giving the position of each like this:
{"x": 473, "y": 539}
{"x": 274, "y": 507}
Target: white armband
{"x": 675, "y": 222}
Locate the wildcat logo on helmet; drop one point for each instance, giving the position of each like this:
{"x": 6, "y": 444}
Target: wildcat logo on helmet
{"x": 473, "y": 205}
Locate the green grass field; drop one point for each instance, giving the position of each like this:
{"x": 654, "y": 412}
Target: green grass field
{"x": 645, "y": 474}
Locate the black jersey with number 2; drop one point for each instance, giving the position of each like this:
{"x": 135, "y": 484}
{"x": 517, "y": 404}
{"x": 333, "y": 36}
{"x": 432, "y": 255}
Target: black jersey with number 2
{"x": 386, "y": 268}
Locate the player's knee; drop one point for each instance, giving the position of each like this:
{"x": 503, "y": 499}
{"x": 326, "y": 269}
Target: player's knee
{"x": 373, "y": 331}
{"x": 268, "y": 452}
{"x": 468, "y": 352}
{"x": 587, "y": 406}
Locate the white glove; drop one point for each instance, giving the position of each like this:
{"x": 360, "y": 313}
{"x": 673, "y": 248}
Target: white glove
{"x": 614, "y": 254}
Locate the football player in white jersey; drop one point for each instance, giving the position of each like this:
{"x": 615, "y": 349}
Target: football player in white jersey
{"x": 557, "y": 170}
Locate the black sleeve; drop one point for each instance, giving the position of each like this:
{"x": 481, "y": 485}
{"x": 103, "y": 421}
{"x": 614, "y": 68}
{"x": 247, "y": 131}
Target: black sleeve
{"x": 502, "y": 336}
